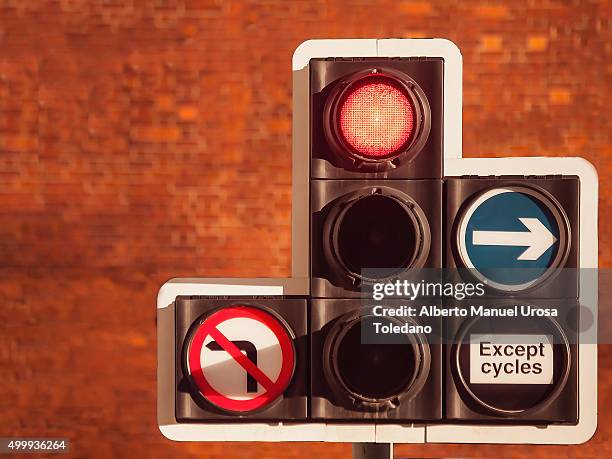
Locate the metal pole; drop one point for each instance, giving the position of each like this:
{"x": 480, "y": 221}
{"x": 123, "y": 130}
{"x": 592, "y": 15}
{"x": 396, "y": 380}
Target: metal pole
{"x": 372, "y": 450}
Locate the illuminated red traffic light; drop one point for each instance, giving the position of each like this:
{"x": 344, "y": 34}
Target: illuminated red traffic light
{"x": 377, "y": 117}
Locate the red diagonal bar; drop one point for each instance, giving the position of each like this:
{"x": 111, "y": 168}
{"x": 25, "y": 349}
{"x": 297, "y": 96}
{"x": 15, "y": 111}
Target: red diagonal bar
{"x": 242, "y": 359}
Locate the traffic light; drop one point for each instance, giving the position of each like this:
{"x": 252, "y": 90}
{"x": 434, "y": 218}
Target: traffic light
{"x": 376, "y": 159}
{"x": 376, "y": 118}
{"x": 355, "y": 376}
{"x": 376, "y": 169}
{"x": 518, "y": 236}
{"x": 381, "y": 196}
{"x": 367, "y": 230}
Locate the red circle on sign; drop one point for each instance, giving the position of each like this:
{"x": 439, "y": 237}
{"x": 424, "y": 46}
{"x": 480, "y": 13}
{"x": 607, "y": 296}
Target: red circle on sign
{"x": 274, "y": 389}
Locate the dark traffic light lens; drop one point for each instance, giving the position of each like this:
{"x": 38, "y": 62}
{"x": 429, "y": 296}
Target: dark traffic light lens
{"x": 376, "y": 234}
{"x": 375, "y": 371}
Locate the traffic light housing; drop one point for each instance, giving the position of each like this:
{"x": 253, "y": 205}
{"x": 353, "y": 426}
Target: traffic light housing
{"x": 376, "y": 160}
{"x": 376, "y": 118}
{"x": 357, "y": 375}
{"x": 376, "y": 157}
{"x": 364, "y": 231}
{"x": 493, "y": 375}
{"x": 373, "y": 141}
{"x": 478, "y": 246}
{"x": 217, "y": 337}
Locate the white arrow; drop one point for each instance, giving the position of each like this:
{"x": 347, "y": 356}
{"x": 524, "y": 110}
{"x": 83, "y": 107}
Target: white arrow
{"x": 537, "y": 240}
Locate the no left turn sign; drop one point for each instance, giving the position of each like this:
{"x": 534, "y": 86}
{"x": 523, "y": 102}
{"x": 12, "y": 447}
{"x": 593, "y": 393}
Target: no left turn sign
{"x": 241, "y": 358}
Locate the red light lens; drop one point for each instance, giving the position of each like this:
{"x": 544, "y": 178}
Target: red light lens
{"x": 376, "y": 119}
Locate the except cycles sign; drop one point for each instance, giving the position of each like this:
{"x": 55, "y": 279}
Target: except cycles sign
{"x": 511, "y": 359}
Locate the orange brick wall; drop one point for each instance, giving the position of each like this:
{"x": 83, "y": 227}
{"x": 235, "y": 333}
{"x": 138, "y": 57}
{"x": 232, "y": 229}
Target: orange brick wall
{"x": 141, "y": 140}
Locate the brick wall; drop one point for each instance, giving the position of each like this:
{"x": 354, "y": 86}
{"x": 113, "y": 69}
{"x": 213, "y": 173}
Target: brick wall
{"x": 146, "y": 140}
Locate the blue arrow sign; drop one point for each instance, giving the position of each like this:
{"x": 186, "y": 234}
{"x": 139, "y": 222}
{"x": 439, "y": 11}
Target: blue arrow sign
{"x": 537, "y": 239}
{"x": 510, "y": 236}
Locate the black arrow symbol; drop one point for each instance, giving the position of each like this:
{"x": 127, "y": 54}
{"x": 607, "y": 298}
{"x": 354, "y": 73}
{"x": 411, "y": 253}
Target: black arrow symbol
{"x": 251, "y": 353}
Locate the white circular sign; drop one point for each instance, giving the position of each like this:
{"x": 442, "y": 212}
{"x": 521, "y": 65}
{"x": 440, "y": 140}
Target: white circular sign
{"x": 241, "y": 358}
